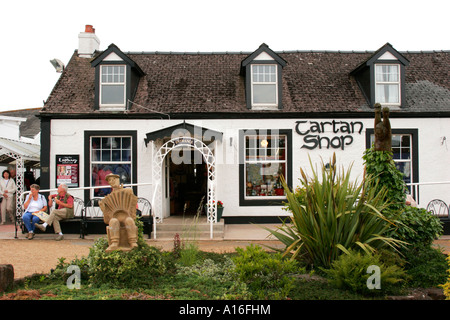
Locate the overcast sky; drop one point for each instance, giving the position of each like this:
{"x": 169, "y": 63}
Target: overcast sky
{"x": 34, "y": 32}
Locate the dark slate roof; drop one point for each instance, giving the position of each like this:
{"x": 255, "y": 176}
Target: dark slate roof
{"x": 32, "y": 126}
{"x": 313, "y": 82}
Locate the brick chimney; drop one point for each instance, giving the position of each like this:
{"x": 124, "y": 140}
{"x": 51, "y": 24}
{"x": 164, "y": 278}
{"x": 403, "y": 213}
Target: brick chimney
{"x": 88, "y": 42}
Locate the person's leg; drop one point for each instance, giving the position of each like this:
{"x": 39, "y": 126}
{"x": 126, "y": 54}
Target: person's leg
{"x": 53, "y": 219}
{"x": 27, "y": 220}
{"x": 3, "y": 211}
{"x": 9, "y": 208}
{"x": 34, "y": 220}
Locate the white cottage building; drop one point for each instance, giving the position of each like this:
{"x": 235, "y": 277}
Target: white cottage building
{"x": 182, "y": 127}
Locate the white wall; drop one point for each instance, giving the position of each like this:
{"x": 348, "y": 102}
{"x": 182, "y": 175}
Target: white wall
{"x": 67, "y": 137}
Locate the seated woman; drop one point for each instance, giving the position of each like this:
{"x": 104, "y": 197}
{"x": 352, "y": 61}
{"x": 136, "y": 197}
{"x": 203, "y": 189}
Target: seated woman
{"x": 34, "y": 202}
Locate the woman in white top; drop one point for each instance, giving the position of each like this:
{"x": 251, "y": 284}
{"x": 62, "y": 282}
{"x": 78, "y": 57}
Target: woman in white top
{"x": 34, "y": 202}
{"x": 7, "y": 190}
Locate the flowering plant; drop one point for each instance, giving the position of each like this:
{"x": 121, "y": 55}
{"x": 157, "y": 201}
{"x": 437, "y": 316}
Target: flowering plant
{"x": 219, "y": 204}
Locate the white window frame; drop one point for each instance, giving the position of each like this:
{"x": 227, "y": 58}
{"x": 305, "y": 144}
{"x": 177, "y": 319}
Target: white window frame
{"x": 94, "y": 161}
{"x": 112, "y": 106}
{"x": 260, "y": 138}
{"x": 399, "y": 160}
{"x": 388, "y": 83}
{"x": 253, "y": 83}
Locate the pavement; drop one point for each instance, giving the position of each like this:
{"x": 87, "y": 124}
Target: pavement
{"x": 235, "y": 235}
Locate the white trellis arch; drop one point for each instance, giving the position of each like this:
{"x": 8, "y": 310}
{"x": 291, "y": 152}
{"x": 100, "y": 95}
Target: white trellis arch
{"x": 19, "y": 178}
{"x": 208, "y": 156}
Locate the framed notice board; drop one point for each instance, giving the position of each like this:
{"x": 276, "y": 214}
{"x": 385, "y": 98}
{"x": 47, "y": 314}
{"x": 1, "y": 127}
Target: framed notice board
{"x": 68, "y": 170}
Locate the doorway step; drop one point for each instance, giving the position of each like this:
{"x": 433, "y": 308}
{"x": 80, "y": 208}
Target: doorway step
{"x": 189, "y": 228}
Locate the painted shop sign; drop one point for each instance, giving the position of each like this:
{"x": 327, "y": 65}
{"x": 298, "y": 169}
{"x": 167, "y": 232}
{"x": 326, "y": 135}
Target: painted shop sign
{"x": 313, "y": 133}
{"x": 184, "y": 141}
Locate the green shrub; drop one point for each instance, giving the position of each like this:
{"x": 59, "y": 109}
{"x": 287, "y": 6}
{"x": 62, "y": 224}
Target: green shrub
{"x": 132, "y": 269}
{"x": 267, "y": 275}
{"x": 427, "y": 266}
{"x": 331, "y": 215}
{"x": 417, "y": 227}
{"x": 446, "y": 286}
{"x": 351, "y": 272}
{"x": 380, "y": 164}
{"x": 60, "y": 271}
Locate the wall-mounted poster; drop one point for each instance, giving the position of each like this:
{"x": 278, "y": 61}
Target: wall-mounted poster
{"x": 67, "y": 170}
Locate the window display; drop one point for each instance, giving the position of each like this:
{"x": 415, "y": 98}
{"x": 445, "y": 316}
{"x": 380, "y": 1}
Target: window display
{"x": 265, "y": 163}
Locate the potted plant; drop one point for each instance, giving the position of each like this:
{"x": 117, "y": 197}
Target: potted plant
{"x": 219, "y": 209}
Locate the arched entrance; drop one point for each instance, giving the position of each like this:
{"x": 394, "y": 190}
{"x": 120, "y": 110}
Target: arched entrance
{"x": 209, "y": 159}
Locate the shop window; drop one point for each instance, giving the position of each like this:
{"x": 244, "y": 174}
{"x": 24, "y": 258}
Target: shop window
{"x": 266, "y": 157}
{"x": 108, "y": 153}
{"x": 405, "y": 153}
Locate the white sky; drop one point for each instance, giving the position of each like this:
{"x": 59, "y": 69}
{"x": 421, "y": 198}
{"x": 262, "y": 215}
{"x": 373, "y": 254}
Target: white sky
{"x": 34, "y": 32}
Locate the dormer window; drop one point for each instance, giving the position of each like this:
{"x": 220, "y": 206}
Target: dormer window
{"x": 112, "y": 86}
{"x": 262, "y": 71}
{"x": 387, "y": 84}
{"x": 116, "y": 80}
{"x": 264, "y": 85}
{"x": 381, "y": 78}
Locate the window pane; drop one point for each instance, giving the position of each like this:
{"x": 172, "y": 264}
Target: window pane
{"x": 264, "y": 73}
{"x": 126, "y": 155}
{"x": 126, "y": 143}
{"x": 95, "y": 155}
{"x": 264, "y": 94}
{"x": 116, "y": 155}
{"x": 106, "y": 143}
{"x": 405, "y": 168}
{"x": 100, "y": 171}
{"x": 96, "y": 143}
{"x": 113, "y": 94}
{"x": 387, "y": 93}
{"x": 106, "y": 155}
{"x": 116, "y": 143}
{"x": 113, "y": 74}
{"x": 396, "y": 140}
{"x": 386, "y": 73}
{"x": 263, "y": 179}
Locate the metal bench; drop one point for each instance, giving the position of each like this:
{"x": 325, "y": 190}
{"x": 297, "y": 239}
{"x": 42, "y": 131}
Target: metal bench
{"x": 66, "y": 224}
{"x": 144, "y": 212}
{"x": 438, "y": 208}
{"x": 93, "y": 218}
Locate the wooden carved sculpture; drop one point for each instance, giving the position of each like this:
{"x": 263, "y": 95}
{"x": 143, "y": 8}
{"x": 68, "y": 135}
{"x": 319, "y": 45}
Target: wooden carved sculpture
{"x": 119, "y": 212}
{"x": 383, "y": 132}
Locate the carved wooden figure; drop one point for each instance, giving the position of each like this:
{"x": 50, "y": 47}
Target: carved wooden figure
{"x": 383, "y": 132}
{"x": 119, "y": 212}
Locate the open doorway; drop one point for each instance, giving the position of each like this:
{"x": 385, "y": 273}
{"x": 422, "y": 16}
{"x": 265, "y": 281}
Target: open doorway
{"x": 188, "y": 182}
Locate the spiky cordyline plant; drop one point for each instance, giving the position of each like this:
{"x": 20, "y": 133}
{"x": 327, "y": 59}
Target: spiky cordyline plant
{"x": 332, "y": 215}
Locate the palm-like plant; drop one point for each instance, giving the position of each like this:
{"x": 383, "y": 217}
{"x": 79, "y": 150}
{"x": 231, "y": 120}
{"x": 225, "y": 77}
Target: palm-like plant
{"x": 332, "y": 215}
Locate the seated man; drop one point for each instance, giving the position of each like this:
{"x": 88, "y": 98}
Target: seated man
{"x": 64, "y": 210}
